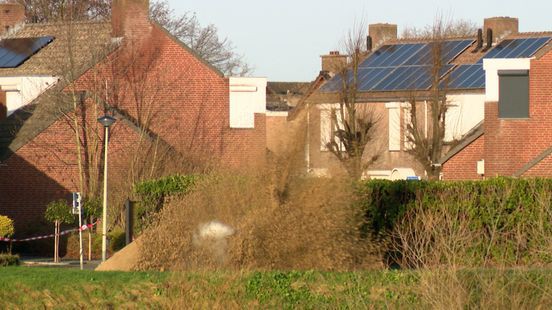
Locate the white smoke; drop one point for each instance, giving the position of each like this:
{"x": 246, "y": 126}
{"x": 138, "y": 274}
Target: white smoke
{"x": 213, "y": 237}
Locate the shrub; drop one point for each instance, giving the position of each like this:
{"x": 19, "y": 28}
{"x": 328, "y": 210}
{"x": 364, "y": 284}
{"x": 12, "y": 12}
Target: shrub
{"x": 117, "y": 240}
{"x": 9, "y": 260}
{"x": 498, "y": 221}
{"x": 6, "y": 227}
{"x": 153, "y": 193}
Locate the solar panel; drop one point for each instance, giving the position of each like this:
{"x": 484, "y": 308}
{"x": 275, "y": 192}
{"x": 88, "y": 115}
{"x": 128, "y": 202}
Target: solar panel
{"x": 13, "y": 52}
{"x": 391, "y": 55}
{"x": 466, "y": 77}
{"x": 516, "y": 48}
{"x": 409, "y": 78}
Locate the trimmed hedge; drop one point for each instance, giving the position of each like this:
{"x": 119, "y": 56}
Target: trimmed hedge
{"x": 512, "y": 215}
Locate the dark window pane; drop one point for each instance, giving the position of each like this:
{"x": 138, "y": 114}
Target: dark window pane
{"x": 513, "y": 99}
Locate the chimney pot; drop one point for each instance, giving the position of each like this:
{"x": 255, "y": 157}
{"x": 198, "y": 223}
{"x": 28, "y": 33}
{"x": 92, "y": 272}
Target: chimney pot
{"x": 381, "y": 33}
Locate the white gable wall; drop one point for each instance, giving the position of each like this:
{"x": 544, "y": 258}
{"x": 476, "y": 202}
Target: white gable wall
{"x": 22, "y": 90}
{"x": 247, "y": 97}
{"x": 464, "y": 112}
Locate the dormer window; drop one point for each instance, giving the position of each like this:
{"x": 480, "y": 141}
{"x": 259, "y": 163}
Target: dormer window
{"x": 513, "y": 100}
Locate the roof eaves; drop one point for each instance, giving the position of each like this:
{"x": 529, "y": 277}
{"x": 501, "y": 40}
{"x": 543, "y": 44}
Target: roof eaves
{"x": 187, "y": 48}
{"x": 469, "y": 137}
{"x": 533, "y": 162}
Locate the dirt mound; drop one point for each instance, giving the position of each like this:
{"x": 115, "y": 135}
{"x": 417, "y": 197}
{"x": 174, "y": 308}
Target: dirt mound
{"x": 124, "y": 260}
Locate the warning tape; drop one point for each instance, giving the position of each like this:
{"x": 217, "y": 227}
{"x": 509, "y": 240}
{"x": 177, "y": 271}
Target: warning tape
{"x": 65, "y": 232}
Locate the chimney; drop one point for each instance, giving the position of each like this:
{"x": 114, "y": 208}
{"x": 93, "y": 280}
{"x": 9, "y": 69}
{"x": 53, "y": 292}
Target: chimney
{"x": 129, "y": 17}
{"x": 11, "y": 14}
{"x": 501, "y": 26}
{"x": 381, "y": 33}
{"x": 333, "y": 62}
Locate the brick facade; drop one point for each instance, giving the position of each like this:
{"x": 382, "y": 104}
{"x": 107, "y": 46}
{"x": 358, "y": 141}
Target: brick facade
{"x": 463, "y": 165}
{"x": 157, "y": 83}
{"x": 512, "y": 143}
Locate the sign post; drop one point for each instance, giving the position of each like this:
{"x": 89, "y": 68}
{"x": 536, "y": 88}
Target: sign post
{"x": 77, "y": 209}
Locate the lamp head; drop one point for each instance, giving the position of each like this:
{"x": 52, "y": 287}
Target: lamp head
{"x": 106, "y": 120}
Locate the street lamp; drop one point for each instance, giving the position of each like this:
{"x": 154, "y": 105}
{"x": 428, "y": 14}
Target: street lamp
{"x": 106, "y": 122}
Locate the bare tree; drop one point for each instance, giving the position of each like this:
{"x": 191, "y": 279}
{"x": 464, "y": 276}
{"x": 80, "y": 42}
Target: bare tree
{"x": 353, "y": 122}
{"x": 204, "y": 40}
{"x": 425, "y": 139}
{"x": 56, "y": 10}
{"x": 454, "y": 28}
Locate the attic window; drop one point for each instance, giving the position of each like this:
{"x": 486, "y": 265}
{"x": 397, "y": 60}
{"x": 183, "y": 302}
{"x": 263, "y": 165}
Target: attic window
{"x": 513, "y": 100}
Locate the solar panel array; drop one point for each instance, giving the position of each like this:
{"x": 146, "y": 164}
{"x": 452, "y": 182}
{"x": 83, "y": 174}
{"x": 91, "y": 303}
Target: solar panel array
{"x": 409, "y": 66}
{"x": 14, "y": 52}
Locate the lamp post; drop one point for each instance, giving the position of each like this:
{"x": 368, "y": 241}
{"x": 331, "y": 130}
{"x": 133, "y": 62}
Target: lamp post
{"x": 106, "y": 122}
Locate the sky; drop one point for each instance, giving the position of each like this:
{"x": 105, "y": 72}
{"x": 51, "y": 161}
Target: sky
{"x": 283, "y": 39}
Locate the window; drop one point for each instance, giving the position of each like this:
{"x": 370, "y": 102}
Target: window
{"x": 513, "y": 97}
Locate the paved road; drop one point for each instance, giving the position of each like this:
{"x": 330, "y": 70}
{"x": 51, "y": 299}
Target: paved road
{"x": 48, "y": 262}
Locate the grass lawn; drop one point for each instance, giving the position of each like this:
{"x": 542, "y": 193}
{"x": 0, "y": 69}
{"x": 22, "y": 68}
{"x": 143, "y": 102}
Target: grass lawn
{"x": 48, "y": 288}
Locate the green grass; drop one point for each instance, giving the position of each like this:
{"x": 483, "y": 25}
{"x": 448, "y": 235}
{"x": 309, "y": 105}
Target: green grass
{"x": 46, "y": 288}
{"x": 59, "y": 288}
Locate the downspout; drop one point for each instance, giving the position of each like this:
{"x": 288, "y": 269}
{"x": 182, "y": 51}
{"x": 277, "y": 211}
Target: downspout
{"x": 307, "y": 145}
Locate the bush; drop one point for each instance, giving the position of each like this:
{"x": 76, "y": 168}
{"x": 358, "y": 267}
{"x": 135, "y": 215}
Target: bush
{"x": 117, "y": 240}
{"x": 9, "y": 260}
{"x": 6, "y": 227}
{"x": 153, "y": 193}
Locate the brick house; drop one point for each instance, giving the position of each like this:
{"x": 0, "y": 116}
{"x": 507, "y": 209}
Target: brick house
{"x": 391, "y": 72}
{"x": 174, "y": 111}
{"x": 514, "y": 139}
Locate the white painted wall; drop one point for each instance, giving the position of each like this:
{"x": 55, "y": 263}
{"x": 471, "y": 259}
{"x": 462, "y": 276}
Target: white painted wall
{"x": 465, "y": 111}
{"x": 394, "y": 120}
{"x": 22, "y": 90}
{"x": 247, "y": 97}
{"x": 492, "y": 66}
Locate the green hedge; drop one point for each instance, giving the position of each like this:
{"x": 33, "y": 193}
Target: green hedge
{"x": 513, "y": 214}
{"x": 152, "y": 194}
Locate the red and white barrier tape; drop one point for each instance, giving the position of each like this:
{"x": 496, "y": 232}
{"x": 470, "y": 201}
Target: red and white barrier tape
{"x": 65, "y": 232}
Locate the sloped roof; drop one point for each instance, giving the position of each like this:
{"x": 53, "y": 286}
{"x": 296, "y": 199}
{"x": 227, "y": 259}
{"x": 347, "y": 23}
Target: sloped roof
{"x": 466, "y": 140}
{"x": 76, "y": 45}
{"x": 404, "y": 65}
{"x": 284, "y": 88}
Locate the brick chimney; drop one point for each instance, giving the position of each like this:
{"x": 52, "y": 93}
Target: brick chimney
{"x": 501, "y": 27}
{"x": 381, "y": 33}
{"x": 129, "y": 18}
{"x": 333, "y": 62}
{"x": 11, "y": 14}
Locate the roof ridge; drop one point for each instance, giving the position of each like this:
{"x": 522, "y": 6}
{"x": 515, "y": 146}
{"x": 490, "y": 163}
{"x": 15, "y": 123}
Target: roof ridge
{"x": 61, "y": 23}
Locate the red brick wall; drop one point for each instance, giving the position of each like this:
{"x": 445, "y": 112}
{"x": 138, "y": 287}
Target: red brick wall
{"x": 463, "y": 165}
{"x": 180, "y": 98}
{"x": 512, "y": 143}
{"x": 46, "y": 169}
{"x": 542, "y": 169}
